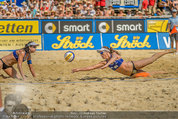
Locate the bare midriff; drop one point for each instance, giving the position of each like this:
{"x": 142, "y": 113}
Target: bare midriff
{"x": 125, "y": 68}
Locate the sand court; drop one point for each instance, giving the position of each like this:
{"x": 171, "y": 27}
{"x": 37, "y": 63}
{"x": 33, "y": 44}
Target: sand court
{"x": 97, "y": 90}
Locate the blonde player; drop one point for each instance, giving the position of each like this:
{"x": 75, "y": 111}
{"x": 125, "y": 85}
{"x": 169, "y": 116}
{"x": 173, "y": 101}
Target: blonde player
{"x": 114, "y": 60}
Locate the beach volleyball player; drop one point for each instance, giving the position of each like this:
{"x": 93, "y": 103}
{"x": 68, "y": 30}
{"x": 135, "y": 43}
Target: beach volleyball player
{"x": 17, "y": 57}
{"x": 114, "y": 60}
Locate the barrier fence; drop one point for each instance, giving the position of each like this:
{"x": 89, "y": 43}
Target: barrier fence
{"x": 85, "y": 34}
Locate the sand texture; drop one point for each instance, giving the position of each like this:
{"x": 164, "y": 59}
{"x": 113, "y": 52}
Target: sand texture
{"x": 56, "y": 88}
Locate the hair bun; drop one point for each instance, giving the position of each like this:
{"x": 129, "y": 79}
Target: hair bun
{"x": 111, "y": 50}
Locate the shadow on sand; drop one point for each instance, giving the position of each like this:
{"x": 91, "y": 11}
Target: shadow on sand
{"x": 100, "y": 79}
{"x": 4, "y": 77}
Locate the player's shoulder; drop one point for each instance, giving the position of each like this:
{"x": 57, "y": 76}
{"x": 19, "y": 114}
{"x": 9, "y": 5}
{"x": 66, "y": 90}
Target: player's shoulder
{"x": 21, "y": 52}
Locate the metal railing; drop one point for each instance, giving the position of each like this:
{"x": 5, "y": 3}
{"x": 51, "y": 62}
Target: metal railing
{"x": 98, "y": 17}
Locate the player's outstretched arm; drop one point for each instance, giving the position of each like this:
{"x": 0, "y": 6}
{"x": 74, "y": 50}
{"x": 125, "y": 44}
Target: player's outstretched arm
{"x": 96, "y": 66}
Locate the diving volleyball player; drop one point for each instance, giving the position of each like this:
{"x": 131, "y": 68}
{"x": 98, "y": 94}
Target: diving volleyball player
{"x": 17, "y": 57}
{"x": 114, "y": 60}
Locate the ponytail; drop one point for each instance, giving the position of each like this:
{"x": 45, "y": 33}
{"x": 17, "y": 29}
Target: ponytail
{"x": 26, "y": 48}
{"x": 111, "y": 50}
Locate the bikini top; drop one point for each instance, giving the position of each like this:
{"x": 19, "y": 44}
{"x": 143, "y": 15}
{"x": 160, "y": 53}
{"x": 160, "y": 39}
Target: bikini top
{"x": 16, "y": 56}
{"x": 115, "y": 65}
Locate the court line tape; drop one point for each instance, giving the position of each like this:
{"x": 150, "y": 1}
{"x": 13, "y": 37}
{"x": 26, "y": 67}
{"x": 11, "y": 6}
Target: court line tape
{"x": 128, "y": 80}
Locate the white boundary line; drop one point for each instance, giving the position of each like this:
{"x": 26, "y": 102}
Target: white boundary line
{"x": 129, "y": 80}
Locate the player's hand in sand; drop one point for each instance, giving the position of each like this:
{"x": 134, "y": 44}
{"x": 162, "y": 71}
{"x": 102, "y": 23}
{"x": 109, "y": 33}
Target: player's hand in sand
{"x": 24, "y": 78}
{"x": 75, "y": 70}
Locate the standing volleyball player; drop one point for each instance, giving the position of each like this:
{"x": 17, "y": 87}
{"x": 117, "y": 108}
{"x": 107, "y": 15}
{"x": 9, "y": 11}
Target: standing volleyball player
{"x": 18, "y": 57}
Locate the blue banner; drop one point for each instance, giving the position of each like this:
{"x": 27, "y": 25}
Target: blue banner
{"x": 72, "y": 41}
{"x": 164, "y": 41}
{"x": 130, "y": 40}
{"x": 125, "y": 3}
{"x": 18, "y": 2}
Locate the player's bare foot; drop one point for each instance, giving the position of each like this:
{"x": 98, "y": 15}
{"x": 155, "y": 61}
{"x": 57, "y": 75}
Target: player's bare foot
{"x": 171, "y": 50}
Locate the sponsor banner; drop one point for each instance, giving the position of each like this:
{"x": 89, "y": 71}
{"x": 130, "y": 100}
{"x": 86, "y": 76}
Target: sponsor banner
{"x": 104, "y": 26}
{"x": 19, "y": 27}
{"x": 165, "y": 41}
{"x": 157, "y": 25}
{"x": 54, "y": 27}
{"x": 13, "y": 42}
{"x": 75, "y": 26}
{"x": 128, "y": 26}
{"x": 130, "y": 41}
{"x": 72, "y": 41}
{"x": 125, "y": 3}
{"x": 50, "y": 27}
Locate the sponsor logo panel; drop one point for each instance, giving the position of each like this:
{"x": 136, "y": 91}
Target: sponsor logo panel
{"x": 103, "y": 27}
{"x": 125, "y": 3}
{"x": 130, "y": 41}
{"x": 157, "y": 25}
{"x": 54, "y": 27}
{"x": 19, "y": 27}
{"x": 16, "y": 41}
{"x": 50, "y": 27}
{"x": 75, "y": 26}
{"x": 129, "y": 26}
{"x": 72, "y": 41}
{"x": 165, "y": 41}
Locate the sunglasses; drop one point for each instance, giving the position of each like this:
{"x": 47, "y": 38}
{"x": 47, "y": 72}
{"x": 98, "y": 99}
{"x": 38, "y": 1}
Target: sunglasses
{"x": 34, "y": 46}
{"x": 101, "y": 53}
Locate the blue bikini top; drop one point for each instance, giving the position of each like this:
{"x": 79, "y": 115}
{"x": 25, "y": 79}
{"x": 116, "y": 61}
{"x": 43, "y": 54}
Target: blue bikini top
{"x": 115, "y": 65}
{"x": 16, "y": 56}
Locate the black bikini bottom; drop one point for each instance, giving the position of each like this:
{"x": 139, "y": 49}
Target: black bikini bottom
{"x": 134, "y": 71}
{"x": 4, "y": 66}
